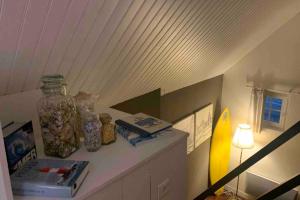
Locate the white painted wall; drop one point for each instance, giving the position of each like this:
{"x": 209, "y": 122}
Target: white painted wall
{"x": 274, "y": 64}
{"x": 5, "y": 191}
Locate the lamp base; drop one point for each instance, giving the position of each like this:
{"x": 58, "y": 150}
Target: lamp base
{"x": 234, "y": 198}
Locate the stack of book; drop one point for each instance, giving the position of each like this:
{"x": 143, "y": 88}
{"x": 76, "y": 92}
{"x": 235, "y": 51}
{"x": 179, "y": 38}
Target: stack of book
{"x": 38, "y": 177}
{"x": 140, "y": 127}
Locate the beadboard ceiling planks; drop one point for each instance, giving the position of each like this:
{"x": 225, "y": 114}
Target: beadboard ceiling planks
{"x": 124, "y": 48}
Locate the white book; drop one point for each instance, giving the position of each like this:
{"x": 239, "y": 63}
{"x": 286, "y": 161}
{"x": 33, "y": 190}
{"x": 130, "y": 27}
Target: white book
{"x": 47, "y": 177}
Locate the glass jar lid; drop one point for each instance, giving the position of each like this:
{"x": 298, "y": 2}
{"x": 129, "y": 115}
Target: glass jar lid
{"x": 53, "y": 82}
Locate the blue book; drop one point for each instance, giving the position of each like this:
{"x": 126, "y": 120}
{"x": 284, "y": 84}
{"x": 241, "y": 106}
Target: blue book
{"x": 51, "y": 178}
{"x": 19, "y": 144}
{"x": 132, "y": 137}
{"x": 142, "y": 124}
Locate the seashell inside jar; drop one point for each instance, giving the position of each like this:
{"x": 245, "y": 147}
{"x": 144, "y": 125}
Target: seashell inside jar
{"x": 58, "y": 118}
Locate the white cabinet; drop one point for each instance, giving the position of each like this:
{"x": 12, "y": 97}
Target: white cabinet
{"x": 169, "y": 168}
{"x": 136, "y": 185}
{"x": 111, "y": 192}
{"x": 122, "y": 172}
{"x": 164, "y": 174}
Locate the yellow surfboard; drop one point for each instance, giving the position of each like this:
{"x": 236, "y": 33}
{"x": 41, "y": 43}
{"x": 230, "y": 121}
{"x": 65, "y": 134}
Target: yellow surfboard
{"x": 220, "y": 149}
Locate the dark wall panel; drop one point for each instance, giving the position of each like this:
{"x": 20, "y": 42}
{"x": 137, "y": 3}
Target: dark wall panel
{"x": 148, "y": 103}
{"x": 180, "y": 103}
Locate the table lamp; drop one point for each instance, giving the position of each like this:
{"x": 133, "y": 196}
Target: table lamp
{"x": 243, "y": 139}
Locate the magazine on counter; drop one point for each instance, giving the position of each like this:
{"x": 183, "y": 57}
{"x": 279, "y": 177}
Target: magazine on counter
{"x": 47, "y": 177}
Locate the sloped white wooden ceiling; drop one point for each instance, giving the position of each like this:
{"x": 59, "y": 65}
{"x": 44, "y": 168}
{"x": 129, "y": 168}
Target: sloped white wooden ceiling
{"x": 124, "y": 48}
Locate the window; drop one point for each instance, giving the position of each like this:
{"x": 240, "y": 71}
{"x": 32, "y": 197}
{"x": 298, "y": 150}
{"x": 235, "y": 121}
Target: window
{"x": 274, "y": 110}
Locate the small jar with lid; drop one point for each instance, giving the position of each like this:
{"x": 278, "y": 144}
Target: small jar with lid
{"x": 108, "y": 129}
{"x": 58, "y": 118}
{"x": 90, "y": 124}
{"x": 91, "y": 129}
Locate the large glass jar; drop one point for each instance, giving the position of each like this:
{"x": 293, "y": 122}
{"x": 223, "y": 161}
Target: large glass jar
{"x": 58, "y": 118}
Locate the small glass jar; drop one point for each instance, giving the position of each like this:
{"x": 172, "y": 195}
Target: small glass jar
{"x": 90, "y": 124}
{"x": 91, "y": 129}
{"x": 108, "y": 129}
{"x": 58, "y": 118}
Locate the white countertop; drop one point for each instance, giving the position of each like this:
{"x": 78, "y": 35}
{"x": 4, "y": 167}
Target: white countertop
{"x": 115, "y": 160}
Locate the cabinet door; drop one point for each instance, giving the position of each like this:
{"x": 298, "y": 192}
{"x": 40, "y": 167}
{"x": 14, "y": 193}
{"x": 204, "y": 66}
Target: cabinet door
{"x": 169, "y": 174}
{"x": 111, "y": 192}
{"x": 136, "y": 185}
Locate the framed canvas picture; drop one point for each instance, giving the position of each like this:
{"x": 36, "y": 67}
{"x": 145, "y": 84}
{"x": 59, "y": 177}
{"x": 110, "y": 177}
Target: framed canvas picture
{"x": 5, "y": 188}
{"x": 187, "y": 125}
{"x": 204, "y": 121}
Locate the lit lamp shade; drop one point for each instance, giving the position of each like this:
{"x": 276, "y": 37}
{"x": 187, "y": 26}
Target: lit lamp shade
{"x": 243, "y": 137}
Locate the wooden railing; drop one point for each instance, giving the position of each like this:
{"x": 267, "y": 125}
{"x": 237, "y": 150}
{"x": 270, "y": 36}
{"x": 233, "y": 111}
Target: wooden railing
{"x": 283, "y": 138}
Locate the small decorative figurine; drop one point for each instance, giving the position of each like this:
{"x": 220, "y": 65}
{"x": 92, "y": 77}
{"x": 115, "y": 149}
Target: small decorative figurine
{"x": 108, "y": 129}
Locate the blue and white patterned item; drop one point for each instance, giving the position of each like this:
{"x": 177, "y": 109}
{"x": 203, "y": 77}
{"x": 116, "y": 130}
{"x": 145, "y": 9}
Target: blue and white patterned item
{"x": 19, "y": 145}
{"x": 133, "y": 138}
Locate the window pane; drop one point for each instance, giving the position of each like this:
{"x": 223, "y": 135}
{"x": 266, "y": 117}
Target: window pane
{"x": 267, "y": 115}
{"x": 268, "y": 101}
{"x": 276, "y": 103}
{"x": 275, "y": 116}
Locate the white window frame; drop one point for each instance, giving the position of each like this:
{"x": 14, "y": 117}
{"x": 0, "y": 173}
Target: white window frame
{"x": 283, "y": 113}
